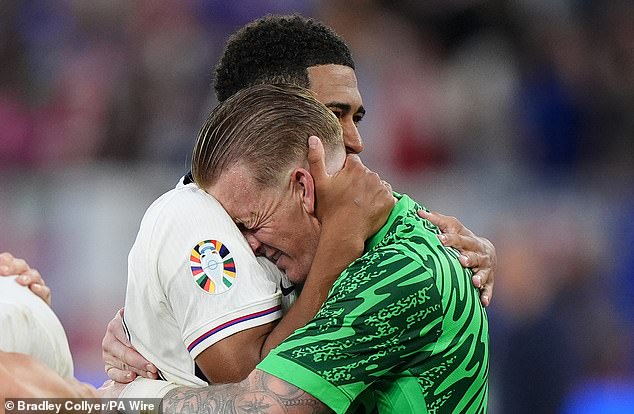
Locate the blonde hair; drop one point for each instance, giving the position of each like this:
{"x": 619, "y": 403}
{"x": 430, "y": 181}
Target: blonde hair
{"x": 265, "y": 127}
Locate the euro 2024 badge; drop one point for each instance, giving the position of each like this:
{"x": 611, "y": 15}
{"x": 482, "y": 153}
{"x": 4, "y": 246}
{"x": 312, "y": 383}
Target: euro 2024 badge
{"x": 212, "y": 266}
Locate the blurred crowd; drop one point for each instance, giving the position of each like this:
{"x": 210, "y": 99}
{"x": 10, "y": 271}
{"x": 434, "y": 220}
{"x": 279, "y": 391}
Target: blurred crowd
{"x": 516, "y": 116}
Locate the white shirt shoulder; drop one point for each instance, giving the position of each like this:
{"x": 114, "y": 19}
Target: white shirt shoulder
{"x": 193, "y": 281}
{"x": 29, "y": 326}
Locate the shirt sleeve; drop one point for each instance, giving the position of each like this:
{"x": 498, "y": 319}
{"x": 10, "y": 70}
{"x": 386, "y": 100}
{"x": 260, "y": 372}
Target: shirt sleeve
{"x": 29, "y": 326}
{"x": 17, "y": 325}
{"x": 231, "y": 294}
{"x": 384, "y": 310}
{"x": 207, "y": 275}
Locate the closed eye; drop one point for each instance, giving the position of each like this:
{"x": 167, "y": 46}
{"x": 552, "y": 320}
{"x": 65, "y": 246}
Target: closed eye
{"x": 338, "y": 113}
{"x": 359, "y": 115}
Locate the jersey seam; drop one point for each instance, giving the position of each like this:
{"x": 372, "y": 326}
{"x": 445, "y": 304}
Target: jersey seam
{"x": 148, "y": 255}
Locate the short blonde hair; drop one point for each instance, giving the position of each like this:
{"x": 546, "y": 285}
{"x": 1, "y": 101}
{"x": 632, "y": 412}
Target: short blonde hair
{"x": 265, "y": 127}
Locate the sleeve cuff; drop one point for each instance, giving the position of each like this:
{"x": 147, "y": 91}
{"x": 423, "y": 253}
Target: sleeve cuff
{"x": 307, "y": 380}
{"x": 147, "y": 388}
{"x": 256, "y": 314}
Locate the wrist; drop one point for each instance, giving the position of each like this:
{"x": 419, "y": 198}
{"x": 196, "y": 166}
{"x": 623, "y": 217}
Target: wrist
{"x": 147, "y": 388}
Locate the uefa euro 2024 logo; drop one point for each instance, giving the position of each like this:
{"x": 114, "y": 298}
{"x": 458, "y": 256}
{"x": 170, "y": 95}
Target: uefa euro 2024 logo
{"x": 212, "y": 266}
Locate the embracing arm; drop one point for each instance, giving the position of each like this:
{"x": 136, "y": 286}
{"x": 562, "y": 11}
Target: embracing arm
{"x": 352, "y": 205}
{"x": 260, "y": 392}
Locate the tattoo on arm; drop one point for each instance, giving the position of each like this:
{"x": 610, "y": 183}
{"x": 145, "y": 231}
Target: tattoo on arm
{"x": 259, "y": 393}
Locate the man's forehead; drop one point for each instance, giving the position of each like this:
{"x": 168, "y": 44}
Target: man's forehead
{"x": 234, "y": 190}
{"x": 335, "y": 83}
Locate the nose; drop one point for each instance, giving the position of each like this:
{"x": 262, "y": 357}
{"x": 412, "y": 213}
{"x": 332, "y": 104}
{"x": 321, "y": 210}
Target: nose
{"x": 352, "y": 138}
{"x": 254, "y": 243}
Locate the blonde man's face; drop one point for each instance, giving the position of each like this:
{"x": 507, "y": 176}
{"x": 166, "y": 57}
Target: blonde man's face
{"x": 273, "y": 220}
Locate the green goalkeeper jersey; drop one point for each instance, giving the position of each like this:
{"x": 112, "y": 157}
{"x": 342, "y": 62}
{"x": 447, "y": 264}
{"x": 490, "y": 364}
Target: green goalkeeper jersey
{"x": 402, "y": 330}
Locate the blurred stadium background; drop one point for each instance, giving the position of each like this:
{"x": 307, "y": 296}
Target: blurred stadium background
{"x": 516, "y": 116}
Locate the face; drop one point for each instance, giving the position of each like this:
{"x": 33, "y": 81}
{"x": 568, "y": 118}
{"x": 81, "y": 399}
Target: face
{"x": 277, "y": 223}
{"x": 336, "y": 87}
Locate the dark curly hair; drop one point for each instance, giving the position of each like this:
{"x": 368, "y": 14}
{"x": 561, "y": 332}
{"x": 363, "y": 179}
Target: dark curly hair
{"x": 277, "y": 49}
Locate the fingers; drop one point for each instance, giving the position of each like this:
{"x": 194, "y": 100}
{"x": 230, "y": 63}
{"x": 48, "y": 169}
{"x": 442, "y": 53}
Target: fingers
{"x": 487, "y": 272}
{"x": 446, "y": 224}
{"x": 5, "y": 258}
{"x": 122, "y": 362}
{"x": 122, "y": 370}
{"x": 486, "y": 293}
{"x": 316, "y": 158}
{"x": 388, "y": 186}
{"x": 462, "y": 243}
{"x": 33, "y": 279}
{"x": 480, "y": 267}
{"x": 18, "y": 266}
{"x": 477, "y": 281}
{"x": 115, "y": 327}
{"x": 29, "y": 277}
{"x": 482, "y": 279}
{"x": 476, "y": 253}
{"x": 43, "y": 291}
{"x": 135, "y": 362}
{"x": 10, "y": 265}
{"x": 119, "y": 375}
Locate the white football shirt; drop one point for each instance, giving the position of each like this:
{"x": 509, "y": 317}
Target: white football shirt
{"x": 29, "y": 326}
{"x": 192, "y": 281}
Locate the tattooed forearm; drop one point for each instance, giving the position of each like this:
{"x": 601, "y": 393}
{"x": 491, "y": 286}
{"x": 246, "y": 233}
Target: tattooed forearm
{"x": 259, "y": 393}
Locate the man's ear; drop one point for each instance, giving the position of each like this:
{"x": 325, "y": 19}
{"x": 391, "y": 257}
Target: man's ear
{"x": 304, "y": 186}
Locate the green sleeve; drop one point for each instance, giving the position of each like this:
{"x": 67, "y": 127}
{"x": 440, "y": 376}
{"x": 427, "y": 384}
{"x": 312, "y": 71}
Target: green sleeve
{"x": 383, "y": 313}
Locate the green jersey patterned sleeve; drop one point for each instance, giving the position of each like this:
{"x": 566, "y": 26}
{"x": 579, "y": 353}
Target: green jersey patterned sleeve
{"x": 401, "y": 331}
